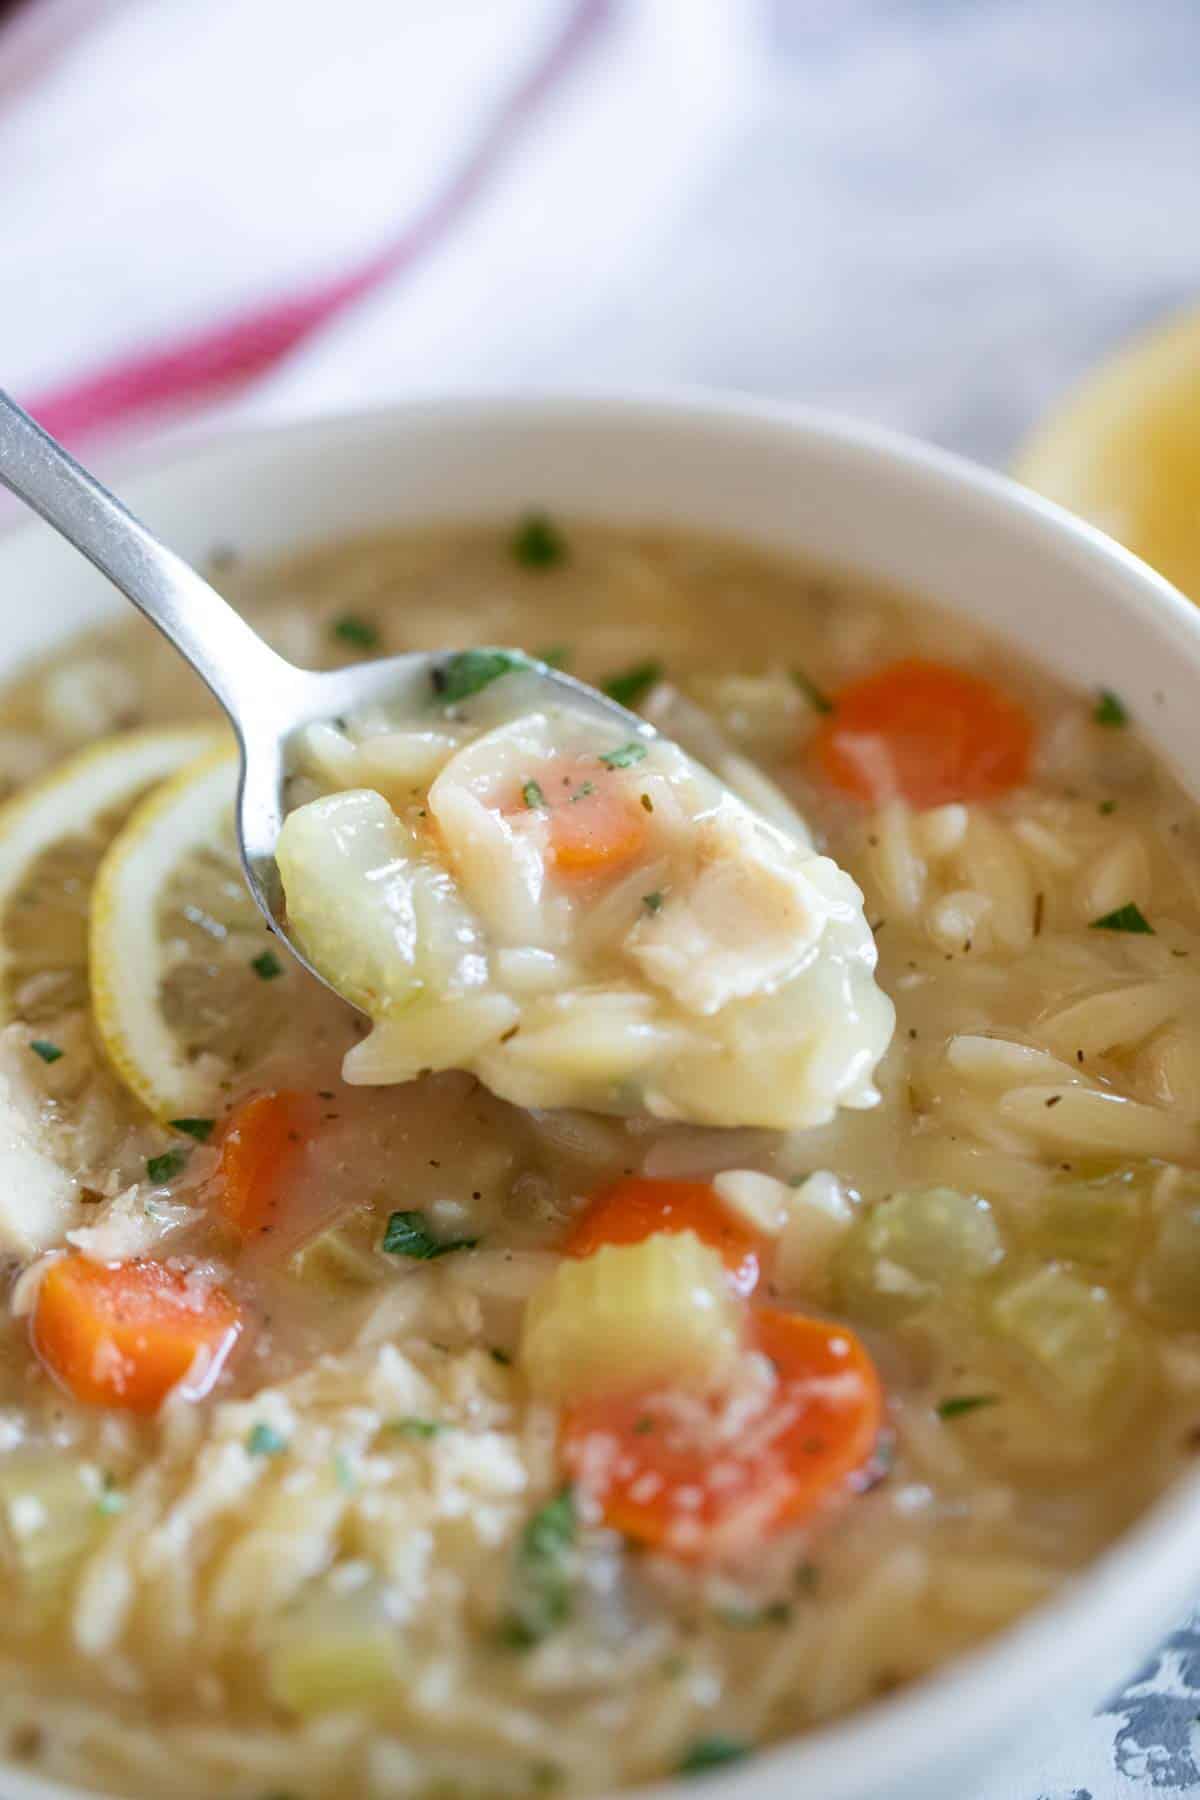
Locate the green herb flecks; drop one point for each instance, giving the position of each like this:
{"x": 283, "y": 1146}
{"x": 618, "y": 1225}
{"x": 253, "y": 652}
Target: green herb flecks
{"x": 408, "y": 1234}
{"x": 110, "y": 1501}
{"x": 359, "y": 632}
{"x": 532, "y": 795}
{"x": 751, "y": 1617}
{"x": 555, "y": 656}
{"x": 537, "y": 543}
{"x": 500, "y": 1356}
{"x": 417, "y": 1428}
{"x": 266, "y": 965}
{"x": 166, "y": 1166}
{"x": 816, "y": 697}
{"x": 48, "y": 1052}
{"x": 629, "y": 686}
{"x": 543, "y": 1572}
{"x": 1106, "y": 808}
{"x": 343, "y": 1470}
{"x": 653, "y": 902}
{"x": 712, "y": 1753}
{"x": 624, "y": 756}
{"x": 959, "y": 1404}
{"x": 264, "y": 1440}
{"x": 470, "y": 671}
{"x": 581, "y": 792}
{"x": 1109, "y": 709}
{"x": 200, "y": 1129}
{"x": 1126, "y": 918}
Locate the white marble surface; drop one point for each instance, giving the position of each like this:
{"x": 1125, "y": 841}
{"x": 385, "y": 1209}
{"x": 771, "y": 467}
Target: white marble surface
{"x": 933, "y": 213}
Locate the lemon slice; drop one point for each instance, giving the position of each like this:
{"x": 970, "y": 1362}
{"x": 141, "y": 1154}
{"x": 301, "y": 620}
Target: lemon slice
{"x": 1124, "y": 450}
{"x": 183, "y": 976}
{"x": 52, "y": 836}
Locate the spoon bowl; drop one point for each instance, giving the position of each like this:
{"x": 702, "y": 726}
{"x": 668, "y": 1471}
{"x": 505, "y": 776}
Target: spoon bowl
{"x": 268, "y": 700}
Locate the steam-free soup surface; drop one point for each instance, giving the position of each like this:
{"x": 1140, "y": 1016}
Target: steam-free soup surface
{"x": 398, "y": 1440}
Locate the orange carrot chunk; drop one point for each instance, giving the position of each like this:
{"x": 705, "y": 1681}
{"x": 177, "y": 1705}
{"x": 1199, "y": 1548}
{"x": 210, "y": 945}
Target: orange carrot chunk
{"x": 597, "y": 823}
{"x": 125, "y": 1334}
{"x": 637, "y": 1207}
{"x": 926, "y": 733}
{"x": 260, "y": 1147}
{"x": 702, "y": 1476}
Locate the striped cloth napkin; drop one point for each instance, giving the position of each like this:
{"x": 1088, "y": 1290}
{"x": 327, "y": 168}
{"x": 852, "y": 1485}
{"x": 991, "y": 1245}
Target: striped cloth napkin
{"x": 273, "y": 206}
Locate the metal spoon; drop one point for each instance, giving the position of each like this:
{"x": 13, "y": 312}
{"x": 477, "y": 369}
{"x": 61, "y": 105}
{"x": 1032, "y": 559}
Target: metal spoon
{"x": 267, "y": 699}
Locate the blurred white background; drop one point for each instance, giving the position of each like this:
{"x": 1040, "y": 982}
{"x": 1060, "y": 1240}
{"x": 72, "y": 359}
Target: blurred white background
{"x": 928, "y": 212}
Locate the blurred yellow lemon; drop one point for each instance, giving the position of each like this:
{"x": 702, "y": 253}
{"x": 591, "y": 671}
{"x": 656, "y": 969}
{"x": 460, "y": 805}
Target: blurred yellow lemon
{"x": 1123, "y": 450}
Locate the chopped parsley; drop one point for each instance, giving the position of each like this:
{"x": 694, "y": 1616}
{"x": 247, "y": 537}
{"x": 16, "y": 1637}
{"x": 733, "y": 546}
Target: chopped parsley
{"x": 537, "y": 543}
{"x": 470, "y": 671}
{"x": 343, "y": 1471}
{"x": 417, "y": 1428}
{"x": 351, "y": 629}
{"x": 816, "y": 697}
{"x": 264, "y": 1440}
{"x": 500, "y": 1356}
{"x": 624, "y": 756}
{"x": 582, "y": 791}
{"x": 712, "y": 1753}
{"x": 644, "y": 1425}
{"x": 1106, "y": 808}
{"x": 647, "y": 803}
{"x": 958, "y": 1404}
{"x": 749, "y": 1618}
{"x": 408, "y": 1234}
{"x": 532, "y": 795}
{"x": 48, "y": 1052}
{"x": 555, "y": 656}
{"x": 1109, "y": 709}
{"x": 1126, "y": 918}
{"x": 633, "y": 684}
{"x": 542, "y": 1574}
{"x": 266, "y": 965}
{"x": 200, "y": 1129}
{"x": 110, "y": 1499}
{"x": 653, "y": 902}
{"x": 166, "y": 1166}
{"x": 806, "y": 1578}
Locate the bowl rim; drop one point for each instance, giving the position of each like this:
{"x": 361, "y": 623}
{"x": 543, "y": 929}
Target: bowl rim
{"x": 1134, "y": 1586}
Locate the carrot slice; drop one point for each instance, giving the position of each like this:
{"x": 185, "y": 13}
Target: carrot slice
{"x": 925, "y": 733}
{"x": 260, "y": 1147}
{"x": 637, "y": 1207}
{"x": 701, "y": 1476}
{"x": 125, "y": 1334}
{"x": 597, "y": 824}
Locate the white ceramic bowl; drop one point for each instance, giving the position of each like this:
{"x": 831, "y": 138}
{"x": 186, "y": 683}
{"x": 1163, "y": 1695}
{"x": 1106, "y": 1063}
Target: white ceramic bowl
{"x": 787, "y": 480}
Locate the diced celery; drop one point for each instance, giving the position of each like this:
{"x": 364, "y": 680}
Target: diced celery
{"x": 908, "y": 1251}
{"x": 1170, "y": 1281}
{"x": 630, "y": 1317}
{"x": 1078, "y": 1345}
{"x": 50, "y": 1517}
{"x": 373, "y": 916}
{"x": 334, "y": 1652}
{"x": 1094, "y": 1222}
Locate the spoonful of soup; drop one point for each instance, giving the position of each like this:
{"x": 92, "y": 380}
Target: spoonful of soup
{"x": 506, "y": 870}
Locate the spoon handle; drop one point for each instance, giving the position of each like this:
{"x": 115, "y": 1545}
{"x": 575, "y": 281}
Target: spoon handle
{"x": 243, "y": 672}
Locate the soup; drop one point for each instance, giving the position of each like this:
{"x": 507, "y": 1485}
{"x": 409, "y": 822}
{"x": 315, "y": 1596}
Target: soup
{"x": 399, "y": 1440}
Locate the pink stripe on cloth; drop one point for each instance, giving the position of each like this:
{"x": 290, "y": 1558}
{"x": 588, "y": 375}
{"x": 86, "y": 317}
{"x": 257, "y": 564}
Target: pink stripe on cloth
{"x": 238, "y": 348}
